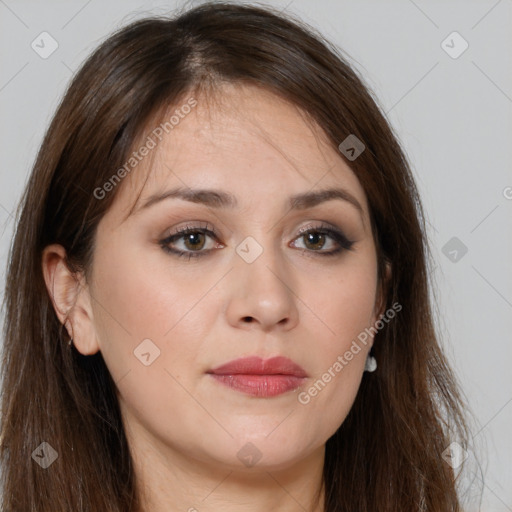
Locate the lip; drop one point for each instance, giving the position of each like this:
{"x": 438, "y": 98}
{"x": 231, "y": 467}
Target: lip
{"x": 260, "y": 377}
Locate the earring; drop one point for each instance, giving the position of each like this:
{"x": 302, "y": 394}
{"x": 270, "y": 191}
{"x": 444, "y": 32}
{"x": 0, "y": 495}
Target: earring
{"x": 68, "y": 326}
{"x": 371, "y": 364}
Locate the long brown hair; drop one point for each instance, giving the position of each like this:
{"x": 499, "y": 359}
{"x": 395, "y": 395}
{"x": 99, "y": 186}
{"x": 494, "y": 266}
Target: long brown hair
{"x": 387, "y": 454}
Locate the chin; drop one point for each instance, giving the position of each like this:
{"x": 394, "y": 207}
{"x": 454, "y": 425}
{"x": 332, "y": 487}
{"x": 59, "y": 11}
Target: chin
{"x": 266, "y": 452}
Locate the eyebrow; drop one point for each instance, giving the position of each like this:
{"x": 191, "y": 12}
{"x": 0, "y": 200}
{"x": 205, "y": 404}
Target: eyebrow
{"x": 220, "y": 199}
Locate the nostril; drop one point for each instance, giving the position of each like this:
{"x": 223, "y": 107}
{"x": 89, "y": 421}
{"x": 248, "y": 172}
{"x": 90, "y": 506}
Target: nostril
{"x": 247, "y": 319}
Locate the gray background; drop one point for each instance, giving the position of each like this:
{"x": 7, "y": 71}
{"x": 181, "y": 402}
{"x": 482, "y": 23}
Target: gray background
{"x": 452, "y": 115}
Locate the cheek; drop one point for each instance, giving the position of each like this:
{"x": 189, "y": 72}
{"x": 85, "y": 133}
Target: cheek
{"x": 343, "y": 311}
{"x": 137, "y": 300}
{"x": 344, "y": 301}
{"x": 151, "y": 325}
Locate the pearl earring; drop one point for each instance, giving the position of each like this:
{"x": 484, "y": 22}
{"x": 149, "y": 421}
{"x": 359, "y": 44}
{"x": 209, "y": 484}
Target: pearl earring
{"x": 371, "y": 364}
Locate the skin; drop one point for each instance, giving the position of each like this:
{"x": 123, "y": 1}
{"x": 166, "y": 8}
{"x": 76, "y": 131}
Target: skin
{"x": 184, "y": 428}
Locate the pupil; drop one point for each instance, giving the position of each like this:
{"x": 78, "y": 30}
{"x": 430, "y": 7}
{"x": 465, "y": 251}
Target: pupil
{"x": 193, "y": 240}
{"x": 315, "y": 238}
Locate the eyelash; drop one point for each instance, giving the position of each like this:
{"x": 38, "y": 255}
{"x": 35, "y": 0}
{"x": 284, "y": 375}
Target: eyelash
{"x": 324, "y": 229}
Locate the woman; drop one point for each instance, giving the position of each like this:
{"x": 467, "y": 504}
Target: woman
{"x": 217, "y": 296}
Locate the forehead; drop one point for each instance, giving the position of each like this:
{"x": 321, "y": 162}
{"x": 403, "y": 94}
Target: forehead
{"x": 242, "y": 139}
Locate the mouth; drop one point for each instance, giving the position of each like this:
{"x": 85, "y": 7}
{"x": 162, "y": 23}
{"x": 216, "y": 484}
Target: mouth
{"x": 260, "y": 377}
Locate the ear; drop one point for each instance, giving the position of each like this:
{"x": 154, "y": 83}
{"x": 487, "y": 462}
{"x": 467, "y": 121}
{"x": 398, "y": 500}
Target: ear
{"x": 382, "y": 291}
{"x": 381, "y": 295}
{"x": 71, "y": 299}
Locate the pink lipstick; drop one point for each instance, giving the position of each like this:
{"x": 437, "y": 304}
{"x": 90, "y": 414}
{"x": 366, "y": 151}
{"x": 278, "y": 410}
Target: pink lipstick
{"x": 260, "y": 377}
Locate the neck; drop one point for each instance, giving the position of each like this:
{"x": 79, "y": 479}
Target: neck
{"x": 169, "y": 479}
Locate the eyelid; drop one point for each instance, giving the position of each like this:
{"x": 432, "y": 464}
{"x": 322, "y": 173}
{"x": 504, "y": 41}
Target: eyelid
{"x": 323, "y": 225}
{"x": 201, "y": 225}
{"x": 331, "y": 230}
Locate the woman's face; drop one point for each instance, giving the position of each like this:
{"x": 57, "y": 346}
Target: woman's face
{"x": 169, "y": 308}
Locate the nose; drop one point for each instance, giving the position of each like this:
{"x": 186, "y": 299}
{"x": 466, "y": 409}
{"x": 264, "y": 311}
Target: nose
{"x": 261, "y": 294}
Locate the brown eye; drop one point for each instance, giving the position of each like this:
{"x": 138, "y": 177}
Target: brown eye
{"x": 191, "y": 241}
{"x": 323, "y": 240}
{"x": 314, "y": 240}
{"x": 194, "y": 241}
